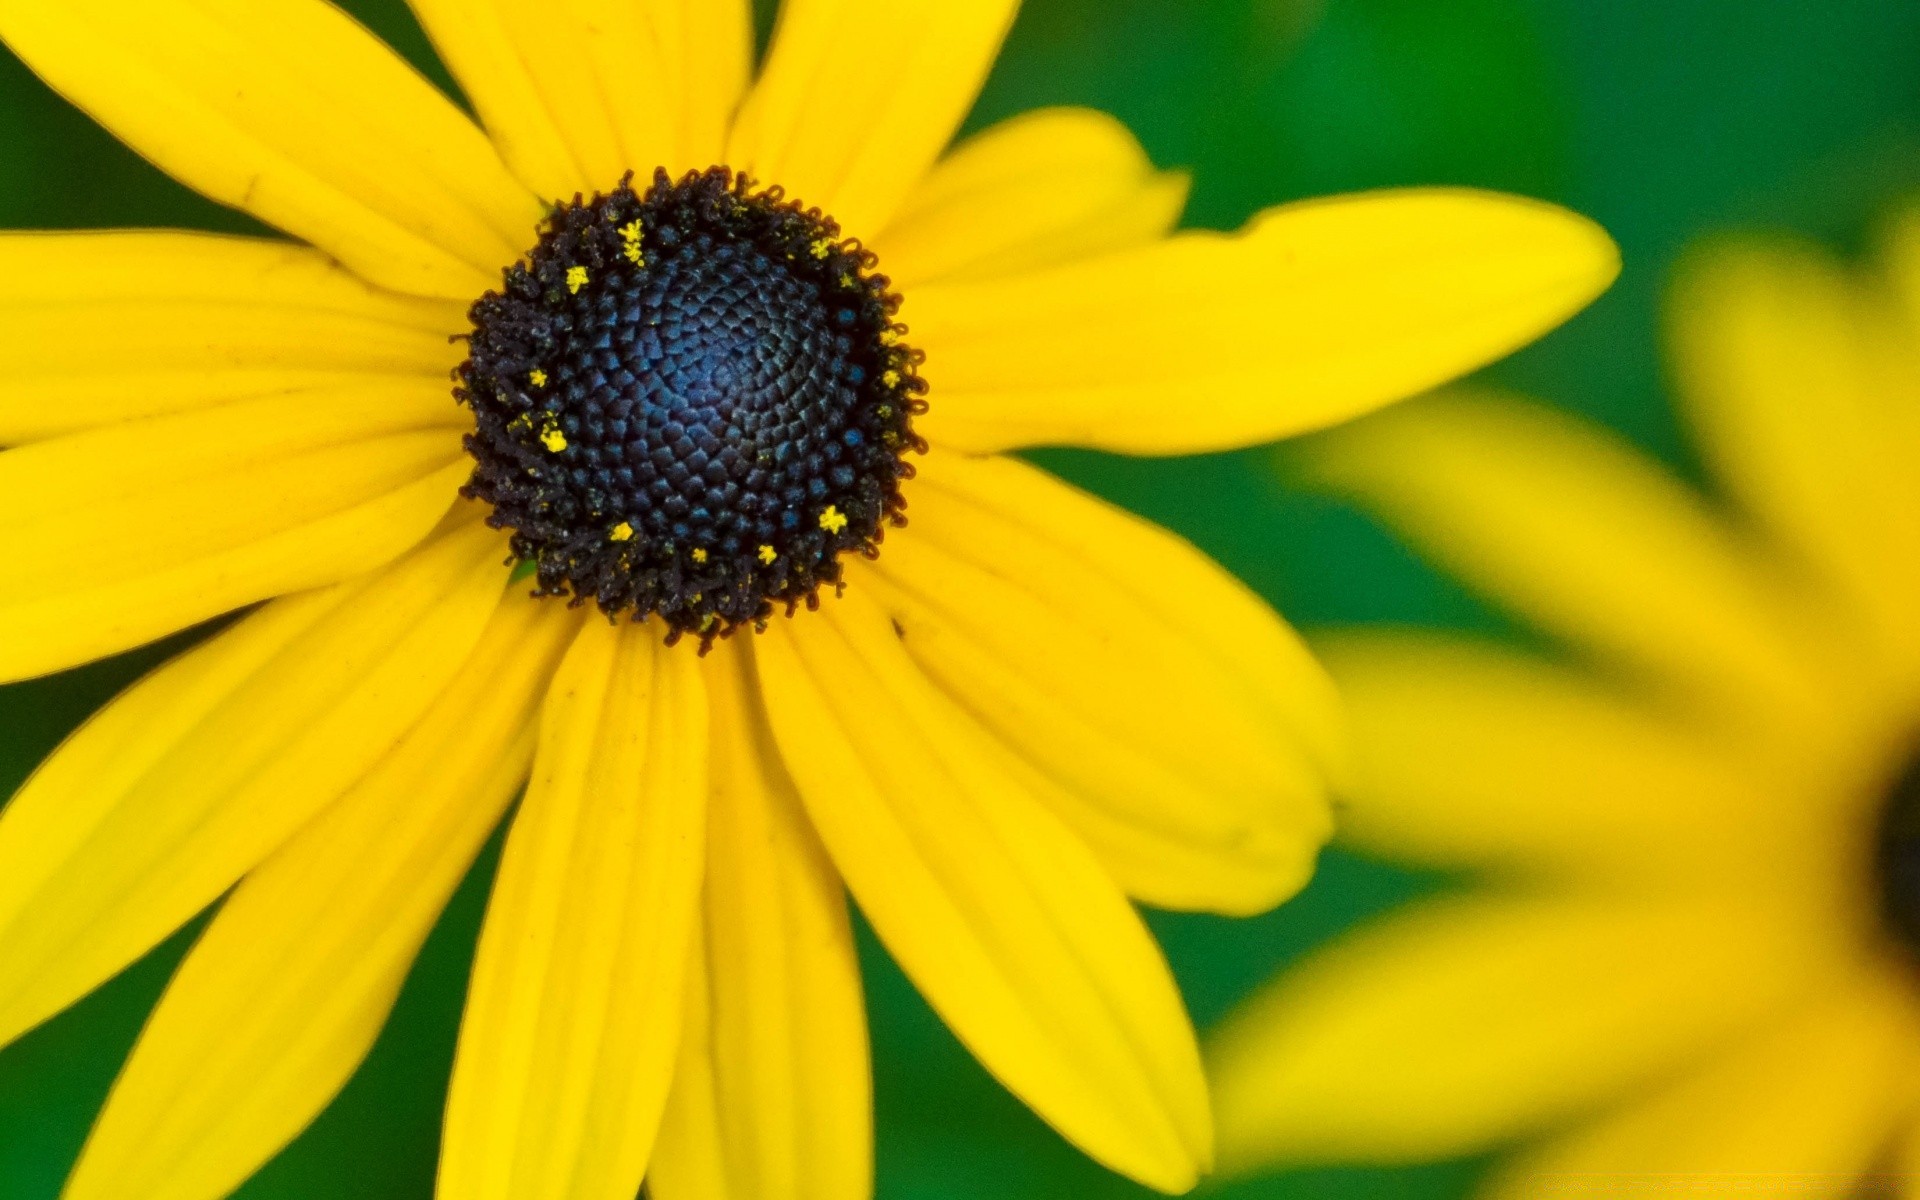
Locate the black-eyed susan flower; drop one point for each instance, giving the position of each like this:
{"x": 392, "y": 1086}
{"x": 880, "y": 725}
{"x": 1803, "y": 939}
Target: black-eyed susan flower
{"x": 1689, "y": 965}
{"x": 688, "y": 343}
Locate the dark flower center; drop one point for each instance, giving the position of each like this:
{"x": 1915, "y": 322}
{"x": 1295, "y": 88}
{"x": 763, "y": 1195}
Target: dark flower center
{"x": 1897, "y": 855}
{"x": 690, "y": 403}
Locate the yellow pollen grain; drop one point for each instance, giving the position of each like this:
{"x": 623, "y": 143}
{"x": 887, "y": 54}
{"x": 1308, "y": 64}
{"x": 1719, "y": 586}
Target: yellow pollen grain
{"x": 699, "y": 555}
{"x": 890, "y": 337}
{"x": 550, "y": 435}
{"x": 767, "y": 555}
{"x": 576, "y": 279}
{"x": 822, "y": 248}
{"x": 891, "y": 379}
{"x": 832, "y": 519}
{"x": 537, "y": 377}
{"x": 622, "y": 532}
{"x": 630, "y": 233}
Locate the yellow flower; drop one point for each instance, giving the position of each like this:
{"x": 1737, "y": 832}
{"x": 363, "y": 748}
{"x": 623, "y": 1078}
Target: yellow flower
{"x": 1031, "y": 709}
{"x": 1690, "y": 953}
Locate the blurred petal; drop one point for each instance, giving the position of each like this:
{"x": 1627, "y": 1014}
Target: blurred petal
{"x": 294, "y": 113}
{"x": 133, "y": 531}
{"x": 1313, "y": 314}
{"x": 1589, "y": 540}
{"x": 859, "y": 97}
{"x": 198, "y": 772}
{"x": 1184, "y": 730}
{"x": 1804, "y": 393}
{"x": 1044, "y": 188}
{"x": 283, "y": 996}
{"x": 579, "y": 986}
{"x": 97, "y": 328}
{"x": 773, "y": 1098}
{"x": 1472, "y": 755}
{"x": 1807, "y": 1108}
{"x": 578, "y": 93}
{"x": 1458, "y": 1024}
{"x": 1001, "y": 917}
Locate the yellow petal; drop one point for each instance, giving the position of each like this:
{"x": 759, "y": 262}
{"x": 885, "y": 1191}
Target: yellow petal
{"x": 573, "y": 1020}
{"x": 691, "y": 1154}
{"x": 127, "y": 533}
{"x": 1473, "y": 755}
{"x": 1180, "y": 727}
{"x": 577, "y": 94}
{"x": 1589, "y": 540}
{"x": 1044, "y": 188}
{"x": 1461, "y": 1023}
{"x": 294, "y": 113}
{"x": 1801, "y": 384}
{"x": 1313, "y": 314}
{"x": 773, "y": 1098}
{"x": 284, "y": 994}
{"x": 1808, "y": 1107}
{"x": 858, "y": 97}
{"x": 1000, "y": 915}
{"x": 202, "y": 769}
{"x": 103, "y": 327}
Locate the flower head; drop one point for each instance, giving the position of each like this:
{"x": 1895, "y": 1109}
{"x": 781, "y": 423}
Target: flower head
{"x": 1689, "y": 958}
{"x": 692, "y": 346}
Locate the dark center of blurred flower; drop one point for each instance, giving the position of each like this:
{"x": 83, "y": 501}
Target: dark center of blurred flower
{"x": 1897, "y": 854}
{"x": 691, "y": 402}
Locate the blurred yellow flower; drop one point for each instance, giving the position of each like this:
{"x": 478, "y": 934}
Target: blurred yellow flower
{"x": 1689, "y": 956}
{"x": 685, "y": 398}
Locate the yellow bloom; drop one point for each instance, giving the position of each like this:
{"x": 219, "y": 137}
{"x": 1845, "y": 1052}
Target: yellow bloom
{"x": 1691, "y": 953}
{"x": 1030, "y": 709}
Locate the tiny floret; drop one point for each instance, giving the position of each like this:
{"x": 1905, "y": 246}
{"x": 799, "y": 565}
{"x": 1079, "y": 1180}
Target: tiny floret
{"x": 537, "y": 377}
{"x": 577, "y": 278}
{"x": 623, "y": 532}
{"x": 832, "y": 519}
{"x": 699, "y": 555}
{"x": 768, "y": 555}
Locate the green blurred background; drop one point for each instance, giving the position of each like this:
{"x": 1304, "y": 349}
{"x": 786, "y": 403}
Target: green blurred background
{"x": 1664, "y": 119}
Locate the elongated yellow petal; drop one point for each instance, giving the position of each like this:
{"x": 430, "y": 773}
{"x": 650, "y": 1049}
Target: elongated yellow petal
{"x": 573, "y": 1020}
{"x": 1589, "y": 540}
{"x": 858, "y": 97}
{"x": 1044, "y": 188}
{"x": 691, "y": 1155}
{"x": 1808, "y": 1107}
{"x": 1004, "y": 920}
{"x": 1461, "y": 1023}
{"x": 296, "y": 114}
{"x": 104, "y": 327}
{"x": 1801, "y": 383}
{"x": 130, "y": 532}
{"x": 1473, "y": 755}
{"x": 1313, "y": 314}
{"x": 202, "y": 769}
{"x": 578, "y": 94}
{"x": 1183, "y": 729}
{"x": 284, "y": 994}
{"x": 773, "y": 1097}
